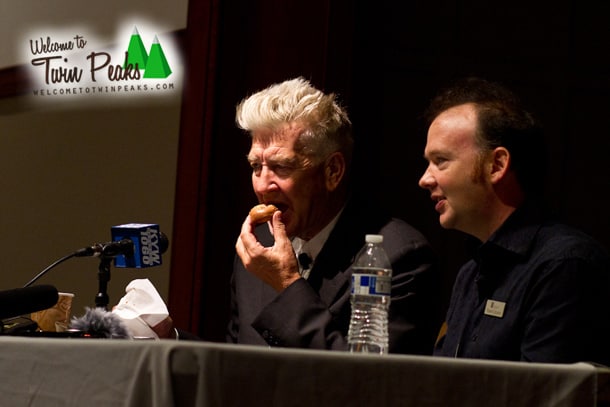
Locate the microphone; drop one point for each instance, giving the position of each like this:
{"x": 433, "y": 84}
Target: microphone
{"x": 99, "y": 323}
{"x": 108, "y": 249}
{"x": 148, "y": 244}
{"x": 20, "y": 301}
{"x": 133, "y": 245}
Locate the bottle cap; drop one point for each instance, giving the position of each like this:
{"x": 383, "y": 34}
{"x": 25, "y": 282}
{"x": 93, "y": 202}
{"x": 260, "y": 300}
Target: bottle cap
{"x": 373, "y": 238}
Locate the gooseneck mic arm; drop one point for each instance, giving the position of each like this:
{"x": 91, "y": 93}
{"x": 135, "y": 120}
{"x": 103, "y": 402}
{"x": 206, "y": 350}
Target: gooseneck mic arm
{"x": 110, "y": 249}
{"x": 101, "y": 299}
{"x": 49, "y": 267}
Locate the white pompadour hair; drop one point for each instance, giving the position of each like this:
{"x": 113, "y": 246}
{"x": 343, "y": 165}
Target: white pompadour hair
{"x": 326, "y": 123}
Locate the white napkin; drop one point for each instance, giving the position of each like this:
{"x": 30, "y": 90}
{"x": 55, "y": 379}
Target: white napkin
{"x": 141, "y": 308}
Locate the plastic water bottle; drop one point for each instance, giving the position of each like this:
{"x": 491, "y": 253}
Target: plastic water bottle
{"x": 370, "y": 298}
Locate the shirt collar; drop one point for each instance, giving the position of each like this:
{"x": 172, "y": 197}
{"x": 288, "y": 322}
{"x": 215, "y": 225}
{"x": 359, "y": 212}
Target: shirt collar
{"x": 508, "y": 245}
{"x": 516, "y": 236}
{"x": 314, "y": 245}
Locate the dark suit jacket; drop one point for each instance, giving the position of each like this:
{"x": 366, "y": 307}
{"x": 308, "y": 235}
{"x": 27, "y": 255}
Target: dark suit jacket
{"x": 315, "y": 313}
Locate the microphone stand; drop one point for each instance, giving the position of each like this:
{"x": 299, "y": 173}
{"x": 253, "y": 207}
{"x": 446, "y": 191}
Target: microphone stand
{"x": 103, "y": 275}
{"x": 109, "y": 252}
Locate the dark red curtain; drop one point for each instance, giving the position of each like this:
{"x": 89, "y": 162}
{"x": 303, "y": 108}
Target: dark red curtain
{"x": 189, "y": 237}
{"x": 233, "y": 49}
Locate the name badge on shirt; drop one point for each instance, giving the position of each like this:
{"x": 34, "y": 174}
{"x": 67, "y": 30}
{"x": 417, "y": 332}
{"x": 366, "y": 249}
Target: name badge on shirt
{"x": 495, "y": 308}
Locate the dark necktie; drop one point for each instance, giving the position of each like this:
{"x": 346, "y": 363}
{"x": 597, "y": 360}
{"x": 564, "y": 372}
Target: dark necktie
{"x": 304, "y": 261}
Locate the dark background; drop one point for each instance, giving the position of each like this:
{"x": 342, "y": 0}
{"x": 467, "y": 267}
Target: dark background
{"x": 385, "y": 60}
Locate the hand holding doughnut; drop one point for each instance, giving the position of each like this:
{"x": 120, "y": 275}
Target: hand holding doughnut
{"x": 262, "y": 213}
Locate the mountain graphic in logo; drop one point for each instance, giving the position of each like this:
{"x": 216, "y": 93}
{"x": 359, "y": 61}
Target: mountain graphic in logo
{"x": 136, "y": 53}
{"x": 154, "y": 63}
{"x": 157, "y": 66}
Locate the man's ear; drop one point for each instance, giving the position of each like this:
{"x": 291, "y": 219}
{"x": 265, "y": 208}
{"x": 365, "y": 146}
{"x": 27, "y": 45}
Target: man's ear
{"x": 500, "y": 163}
{"x": 334, "y": 170}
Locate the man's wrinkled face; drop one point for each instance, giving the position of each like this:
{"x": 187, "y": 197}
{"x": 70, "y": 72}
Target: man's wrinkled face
{"x": 289, "y": 180}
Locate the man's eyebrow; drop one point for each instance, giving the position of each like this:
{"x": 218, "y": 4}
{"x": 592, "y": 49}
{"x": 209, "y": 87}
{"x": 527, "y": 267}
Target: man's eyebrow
{"x": 434, "y": 153}
{"x": 284, "y": 161}
{"x": 274, "y": 159}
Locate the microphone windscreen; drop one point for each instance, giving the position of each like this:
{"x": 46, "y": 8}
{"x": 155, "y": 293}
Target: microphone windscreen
{"x": 21, "y": 301}
{"x": 100, "y": 323}
{"x": 148, "y": 244}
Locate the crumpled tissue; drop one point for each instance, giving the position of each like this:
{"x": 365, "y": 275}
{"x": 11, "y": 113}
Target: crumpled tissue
{"x": 141, "y": 309}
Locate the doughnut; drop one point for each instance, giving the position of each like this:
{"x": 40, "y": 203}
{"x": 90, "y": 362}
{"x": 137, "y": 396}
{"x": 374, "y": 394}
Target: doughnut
{"x": 262, "y": 213}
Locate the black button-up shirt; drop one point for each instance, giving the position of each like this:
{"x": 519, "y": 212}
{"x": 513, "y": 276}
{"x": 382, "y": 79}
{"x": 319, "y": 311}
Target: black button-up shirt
{"x": 535, "y": 291}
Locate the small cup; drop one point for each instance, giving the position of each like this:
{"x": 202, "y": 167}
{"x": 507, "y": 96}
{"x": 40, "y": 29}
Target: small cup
{"x": 56, "y": 318}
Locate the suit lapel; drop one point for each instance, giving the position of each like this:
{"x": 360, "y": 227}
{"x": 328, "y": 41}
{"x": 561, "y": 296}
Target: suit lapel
{"x": 330, "y": 272}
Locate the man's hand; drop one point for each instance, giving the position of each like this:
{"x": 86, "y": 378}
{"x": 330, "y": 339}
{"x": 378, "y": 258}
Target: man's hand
{"x": 276, "y": 265}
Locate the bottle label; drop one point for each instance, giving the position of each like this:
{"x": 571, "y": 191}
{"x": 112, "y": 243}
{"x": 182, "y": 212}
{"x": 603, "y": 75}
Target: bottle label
{"x": 371, "y": 284}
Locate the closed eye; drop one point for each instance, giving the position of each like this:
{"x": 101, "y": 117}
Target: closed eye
{"x": 439, "y": 161}
{"x": 256, "y": 167}
{"x": 282, "y": 170}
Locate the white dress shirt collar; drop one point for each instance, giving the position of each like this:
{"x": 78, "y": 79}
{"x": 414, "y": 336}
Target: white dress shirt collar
{"x": 314, "y": 245}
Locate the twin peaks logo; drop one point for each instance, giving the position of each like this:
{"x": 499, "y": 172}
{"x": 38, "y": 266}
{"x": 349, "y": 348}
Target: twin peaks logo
{"x": 154, "y": 63}
{"x": 68, "y": 64}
